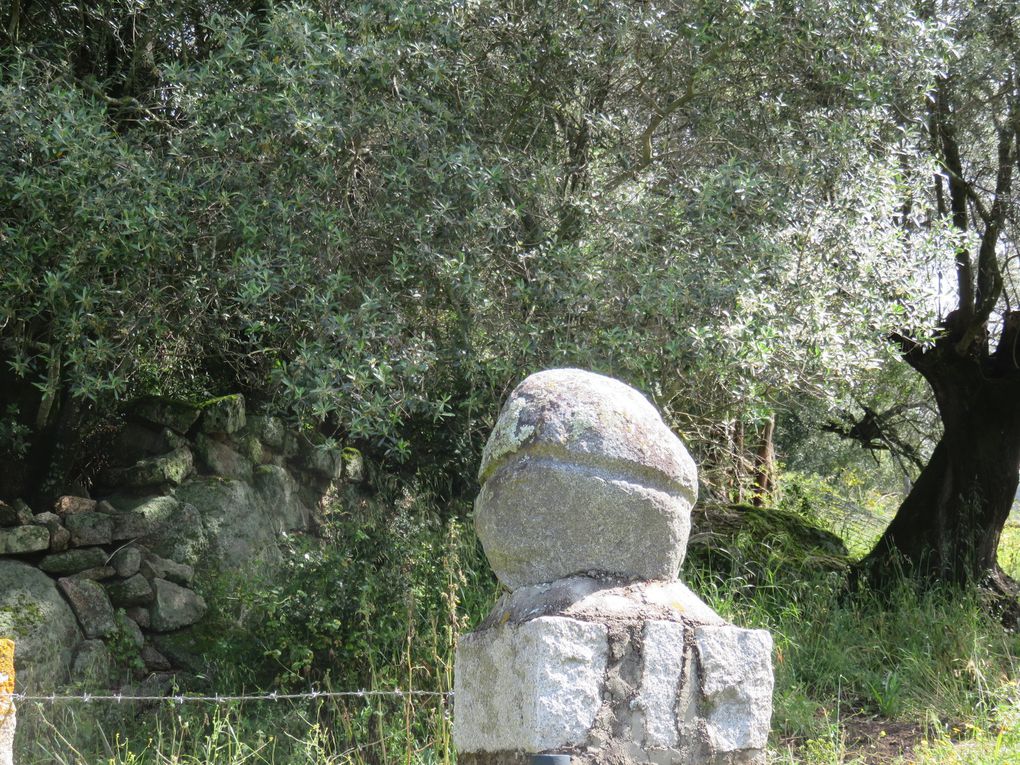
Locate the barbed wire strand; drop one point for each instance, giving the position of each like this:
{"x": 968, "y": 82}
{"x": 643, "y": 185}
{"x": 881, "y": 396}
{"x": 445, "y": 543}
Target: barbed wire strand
{"x": 219, "y": 698}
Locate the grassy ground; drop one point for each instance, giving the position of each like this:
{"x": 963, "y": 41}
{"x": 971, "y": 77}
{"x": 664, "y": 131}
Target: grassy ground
{"x": 910, "y": 678}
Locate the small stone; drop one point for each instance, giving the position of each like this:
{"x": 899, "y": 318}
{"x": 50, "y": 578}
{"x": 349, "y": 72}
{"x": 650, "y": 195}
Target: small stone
{"x": 127, "y": 560}
{"x": 60, "y": 537}
{"x": 68, "y": 505}
{"x": 89, "y": 602}
{"x": 224, "y": 414}
{"x": 19, "y": 540}
{"x": 89, "y": 529}
{"x": 8, "y": 515}
{"x": 139, "y": 616}
{"x": 24, "y": 512}
{"x": 154, "y": 660}
{"x": 92, "y": 663}
{"x": 174, "y": 606}
{"x": 130, "y": 629}
{"x": 221, "y": 460}
{"x": 176, "y": 415}
{"x": 96, "y": 574}
{"x": 354, "y": 465}
{"x": 73, "y": 561}
{"x": 735, "y": 670}
{"x": 133, "y": 591}
{"x": 154, "y": 567}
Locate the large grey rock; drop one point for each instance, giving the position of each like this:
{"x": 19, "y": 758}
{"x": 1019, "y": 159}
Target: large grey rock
{"x": 73, "y": 561}
{"x": 92, "y": 663}
{"x": 133, "y": 591}
{"x": 220, "y": 459}
{"x": 134, "y": 518}
{"x": 155, "y": 567}
{"x": 179, "y": 416}
{"x": 268, "y": 429}
{"x": 735, "y": 667}
{"x": 166, "y": 469}
{"x": 280, "y": 495}
{"x": 127, "y": 561}
{"x": 19, "y": 540}
{"x": 89, "y": 602}
{"x": 581, "y": 475}
{"x": 174, "y": 606}
{"x": 223, "y": 415}
{"x": 532, "y": 687}
{"x": 60, "y": 537}
{"x": 89, "y": 529}
{"x": 235, "y": 531}
{"x": 40, "y": 622}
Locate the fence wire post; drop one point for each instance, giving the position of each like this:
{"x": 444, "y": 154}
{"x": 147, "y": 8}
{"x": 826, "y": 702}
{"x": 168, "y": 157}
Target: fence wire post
{"x": 8, "y": 718}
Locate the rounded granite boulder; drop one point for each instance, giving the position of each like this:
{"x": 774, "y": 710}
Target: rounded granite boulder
{"x": 581, "y": 475}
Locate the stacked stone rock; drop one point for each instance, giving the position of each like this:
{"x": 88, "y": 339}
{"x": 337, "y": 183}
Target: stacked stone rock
{"x": 188, "y": 484}
{"x": 598, "y": 650}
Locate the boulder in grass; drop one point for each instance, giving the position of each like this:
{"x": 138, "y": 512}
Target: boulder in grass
{"x": 40, "y": 622}
{"x": 92, "y": 663}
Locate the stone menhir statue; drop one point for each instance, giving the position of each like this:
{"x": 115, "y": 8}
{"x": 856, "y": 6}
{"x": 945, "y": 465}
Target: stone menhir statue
{"x": 598, "y": 651}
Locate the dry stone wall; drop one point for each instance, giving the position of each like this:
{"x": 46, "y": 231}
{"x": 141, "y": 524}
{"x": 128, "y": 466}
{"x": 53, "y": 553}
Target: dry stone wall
{"x": 599, "y": 651}
{"x": 189, "y": 488}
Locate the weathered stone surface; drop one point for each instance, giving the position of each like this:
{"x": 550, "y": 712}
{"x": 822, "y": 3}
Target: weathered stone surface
{"x": 155, "y": 567}
{"x": 174, "y": 606}
{"x": 139, "y": 616}
{"x": 236, "y": 529}
{"x": 321, "y": 460}
{"x": 267, "y": 429}
{"x": 220, "y": 459}
{"x": 18, "y": 540}
{"x": 136, "y": 441}
{"x": 354, "y": 465}
{"x": 96, "y": 574}
{"x": 533, "y": 687}
{"x": 68, "y": 505}
{"x": 170, "y": 468}
{"x": 154, "y": 660}
{"x": 133, "y": 591}
{"x": 280, "y": 495}
{"x": 735, "y": 671}
{"x": 60, "y": 537}
{"x": 179, "y": 416}
{"x": 89, "y": 529}
{"x": 127, "y": 560}
{"x": 73, "y": 561}
{"x": 223, "y": 415}
{"x": 662, "y": 653}
{"x": 8, "y": 515}
{"x": 604, "y": 599}
{"x": 580, "y": 474}
{"x": 130, "y": 629}
{"x": 92, "y": 663}
{"x": 135, "y": 518}
{"x": 23, "y": 511}
{"x": 40, "y": 622}
{"x": 89, "y": 602}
